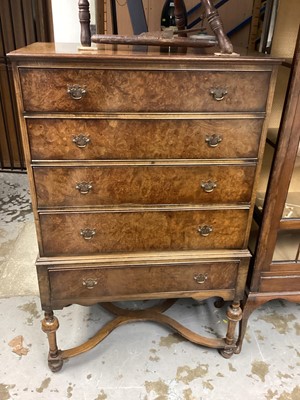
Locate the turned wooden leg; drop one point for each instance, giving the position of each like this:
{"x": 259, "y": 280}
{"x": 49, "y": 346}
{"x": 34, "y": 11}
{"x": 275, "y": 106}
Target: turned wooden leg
{"x": 216, "y": 25}
{"x": 49, "y": 326}
{"x": 234, "y": 315}
{"x": 84, "y": 18}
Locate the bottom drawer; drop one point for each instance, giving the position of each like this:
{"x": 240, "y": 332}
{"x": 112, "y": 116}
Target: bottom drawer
{"x": 92, "y": 282}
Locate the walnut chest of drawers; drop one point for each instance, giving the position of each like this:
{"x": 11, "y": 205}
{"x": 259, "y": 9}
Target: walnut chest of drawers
{"x": 143, "y": 170}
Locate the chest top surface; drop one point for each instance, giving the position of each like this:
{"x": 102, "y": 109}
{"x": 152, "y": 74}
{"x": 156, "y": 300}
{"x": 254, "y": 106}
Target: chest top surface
{"x": 65, "y": 51}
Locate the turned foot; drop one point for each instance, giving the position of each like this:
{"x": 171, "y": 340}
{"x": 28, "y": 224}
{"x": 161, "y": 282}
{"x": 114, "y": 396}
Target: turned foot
{"x": 55, "y": 364}
{"x": 50, "y": 325}
{"x": 226, "y": 353}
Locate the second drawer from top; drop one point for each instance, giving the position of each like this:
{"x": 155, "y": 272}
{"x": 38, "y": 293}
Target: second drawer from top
{"x": 143, "y": 138}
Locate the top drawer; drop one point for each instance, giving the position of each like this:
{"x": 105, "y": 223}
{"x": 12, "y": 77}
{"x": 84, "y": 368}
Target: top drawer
{"x": 48, "y": 90}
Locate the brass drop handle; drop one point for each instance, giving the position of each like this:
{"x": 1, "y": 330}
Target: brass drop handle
{"x": 76, "y": 92}
{"x": 208, "y": 186}
{"x": 87, "y": 233}
{"x": 218, "y": 93}
{"x": 84, "y": 187}
{"x": 81, "y": 141}
{"x": 205, "y": 230}
{"x": 200, "y": 278}
{"x": 213, "y": 140}
{"x": 89, "y": 283}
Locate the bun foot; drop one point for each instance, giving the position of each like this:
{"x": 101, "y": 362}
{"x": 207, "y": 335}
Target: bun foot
{"x": 226, "y": 353}
{"x": 55, "y": 364}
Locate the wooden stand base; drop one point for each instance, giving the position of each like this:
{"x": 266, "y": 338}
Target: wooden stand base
{"x": 226, "y": 346}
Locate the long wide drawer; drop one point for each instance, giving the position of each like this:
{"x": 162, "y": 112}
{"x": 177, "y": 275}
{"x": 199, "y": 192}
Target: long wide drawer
{"x": 82, "y": 139}
{"x": 144, "y": 230}
{"x": 88, "y": 283}
{"x": 82, "y": 90}
{"x": 91, "y": 186}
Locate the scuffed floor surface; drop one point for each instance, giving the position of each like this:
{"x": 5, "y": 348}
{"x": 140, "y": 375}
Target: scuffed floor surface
{"x": 141, "y": 361}
{"x": 145, "y": 361}
{"x": 18, "y": 246}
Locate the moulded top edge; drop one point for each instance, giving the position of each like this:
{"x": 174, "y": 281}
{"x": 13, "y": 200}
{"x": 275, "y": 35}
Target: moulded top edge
{"x": 63, "y": 51}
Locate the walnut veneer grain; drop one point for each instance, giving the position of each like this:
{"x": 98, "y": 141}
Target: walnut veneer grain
{"x": 142, "y": 231}
{"x": 143, "y": 91}
{"x": 172, "y": 184}
{"x": 146, "y": 138}
{"x": 141, "y": 280}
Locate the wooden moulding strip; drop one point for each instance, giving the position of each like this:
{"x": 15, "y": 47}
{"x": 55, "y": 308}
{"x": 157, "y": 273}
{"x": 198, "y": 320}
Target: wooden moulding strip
{"x": 124, "y": 60}
{"x": 153, "y": 258}
{"x": 239, "y": 162}
{"x": 150, "y": 115}
{"x": 144, "y": 208}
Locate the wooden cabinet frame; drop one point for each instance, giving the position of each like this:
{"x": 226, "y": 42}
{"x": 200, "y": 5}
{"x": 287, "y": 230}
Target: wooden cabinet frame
{"x": 270, "y": 279}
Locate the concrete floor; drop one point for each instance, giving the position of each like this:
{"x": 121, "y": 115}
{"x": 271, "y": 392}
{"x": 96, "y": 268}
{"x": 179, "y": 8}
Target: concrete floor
{"x": 141, "y": 361}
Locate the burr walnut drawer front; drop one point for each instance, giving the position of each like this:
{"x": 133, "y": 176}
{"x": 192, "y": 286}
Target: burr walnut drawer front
{"x": 92, "y": 139}
{"x": 87, "y": 90}
{"x": 92, "y": 186}
{"x": 128, "y": 231}
{"x": 87, "y": 282}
